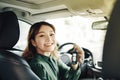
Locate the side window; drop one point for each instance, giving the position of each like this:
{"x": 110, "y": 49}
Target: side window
{"x": 22, "y": 42}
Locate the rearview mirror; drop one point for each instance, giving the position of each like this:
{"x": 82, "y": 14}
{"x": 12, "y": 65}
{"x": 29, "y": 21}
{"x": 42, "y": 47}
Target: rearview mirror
{"x": 100, "y": 25}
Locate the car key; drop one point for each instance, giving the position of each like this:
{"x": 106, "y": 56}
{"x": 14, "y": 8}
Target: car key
{"x": 74, "y": 58}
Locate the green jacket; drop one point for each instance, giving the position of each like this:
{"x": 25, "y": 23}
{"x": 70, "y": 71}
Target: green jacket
{"x": 48, "y": 68}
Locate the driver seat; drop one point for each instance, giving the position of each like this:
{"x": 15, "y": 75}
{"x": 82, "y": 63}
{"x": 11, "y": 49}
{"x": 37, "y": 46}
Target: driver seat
{"x": 12, "y": 66}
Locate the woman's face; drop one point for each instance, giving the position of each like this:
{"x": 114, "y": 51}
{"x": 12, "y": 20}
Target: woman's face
{"x": 45, "y": 40}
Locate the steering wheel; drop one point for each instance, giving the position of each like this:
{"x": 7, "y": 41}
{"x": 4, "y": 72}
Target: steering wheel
{"x": 64, "y": 51}
{"x": 65, "y": 54}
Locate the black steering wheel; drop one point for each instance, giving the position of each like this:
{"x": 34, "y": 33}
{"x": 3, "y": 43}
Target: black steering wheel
{"x": 88, "y": 57}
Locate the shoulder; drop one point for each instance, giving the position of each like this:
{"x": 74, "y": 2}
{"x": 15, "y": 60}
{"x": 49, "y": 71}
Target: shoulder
{"x": 37, "y": 60}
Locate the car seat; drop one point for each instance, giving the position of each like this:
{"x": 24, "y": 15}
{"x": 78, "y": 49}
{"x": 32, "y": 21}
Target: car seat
{"x": 12, "y": 66}
{"x": 111, "y": 50}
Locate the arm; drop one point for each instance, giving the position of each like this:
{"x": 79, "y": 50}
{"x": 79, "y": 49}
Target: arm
{"x": 73, "y": 72}
{"x": 68, "y": 73}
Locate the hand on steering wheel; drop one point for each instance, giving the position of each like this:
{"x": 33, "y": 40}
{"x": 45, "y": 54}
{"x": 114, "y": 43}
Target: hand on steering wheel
{"x": 74, "y": 48}
{"x": 80, "y": 52}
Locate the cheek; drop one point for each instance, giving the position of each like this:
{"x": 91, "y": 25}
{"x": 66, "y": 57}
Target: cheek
{"x": 39, "y": 42}
{"x": 54, "y": 40}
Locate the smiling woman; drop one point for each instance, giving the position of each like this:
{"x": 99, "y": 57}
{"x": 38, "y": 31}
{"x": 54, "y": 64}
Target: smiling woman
{"x": 41, "y": 54}
{"x": 74, "y": 29}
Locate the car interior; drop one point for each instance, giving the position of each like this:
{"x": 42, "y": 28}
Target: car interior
{"x": 14, "y": 67}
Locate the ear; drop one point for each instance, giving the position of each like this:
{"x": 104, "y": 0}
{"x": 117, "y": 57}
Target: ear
{"x": 33, "y": 43}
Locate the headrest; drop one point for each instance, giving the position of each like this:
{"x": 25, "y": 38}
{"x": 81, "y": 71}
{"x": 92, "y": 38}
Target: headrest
{"x": 9, "y": 30}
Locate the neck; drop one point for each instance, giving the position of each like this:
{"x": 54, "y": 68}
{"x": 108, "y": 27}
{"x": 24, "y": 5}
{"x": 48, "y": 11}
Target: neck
{"x": 46, "y": 54}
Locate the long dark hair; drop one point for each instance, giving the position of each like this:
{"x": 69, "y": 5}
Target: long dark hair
{"x": 30, "y": 50}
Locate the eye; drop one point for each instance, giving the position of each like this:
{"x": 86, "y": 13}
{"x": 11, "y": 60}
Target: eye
{"x": 52, "y": 34}
{"x": 41, "y": 35}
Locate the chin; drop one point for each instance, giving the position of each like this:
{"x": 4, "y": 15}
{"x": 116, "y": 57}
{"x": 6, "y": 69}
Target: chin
{"x": 50, "y": 49}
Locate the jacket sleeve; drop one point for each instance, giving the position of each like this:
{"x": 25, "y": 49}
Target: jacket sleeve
{"x": 67, "y": 73}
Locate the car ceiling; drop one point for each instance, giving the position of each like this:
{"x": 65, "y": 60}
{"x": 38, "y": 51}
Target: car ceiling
{"x": 37, "y": 10}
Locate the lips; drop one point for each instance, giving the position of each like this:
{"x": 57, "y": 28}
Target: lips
{"x": 48, "y": 44}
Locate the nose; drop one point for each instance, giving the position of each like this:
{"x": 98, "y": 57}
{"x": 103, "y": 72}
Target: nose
{"x": 48, "y": 38}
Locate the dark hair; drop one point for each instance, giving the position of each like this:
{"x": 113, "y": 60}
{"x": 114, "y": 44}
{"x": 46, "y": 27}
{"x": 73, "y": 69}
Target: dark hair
{"x": 30, "y": 49}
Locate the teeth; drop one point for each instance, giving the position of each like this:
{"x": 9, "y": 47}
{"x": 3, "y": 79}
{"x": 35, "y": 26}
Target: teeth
{"x": 48, "y": 44}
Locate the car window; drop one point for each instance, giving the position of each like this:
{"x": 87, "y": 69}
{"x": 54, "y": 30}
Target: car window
{"x": 24, "y": 28}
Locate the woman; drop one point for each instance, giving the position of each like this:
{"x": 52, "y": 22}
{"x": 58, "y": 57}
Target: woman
{"x": 41, "y": 54}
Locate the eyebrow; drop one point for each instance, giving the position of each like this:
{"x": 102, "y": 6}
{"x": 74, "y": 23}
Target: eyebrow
{"x": 44, "y": 32}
